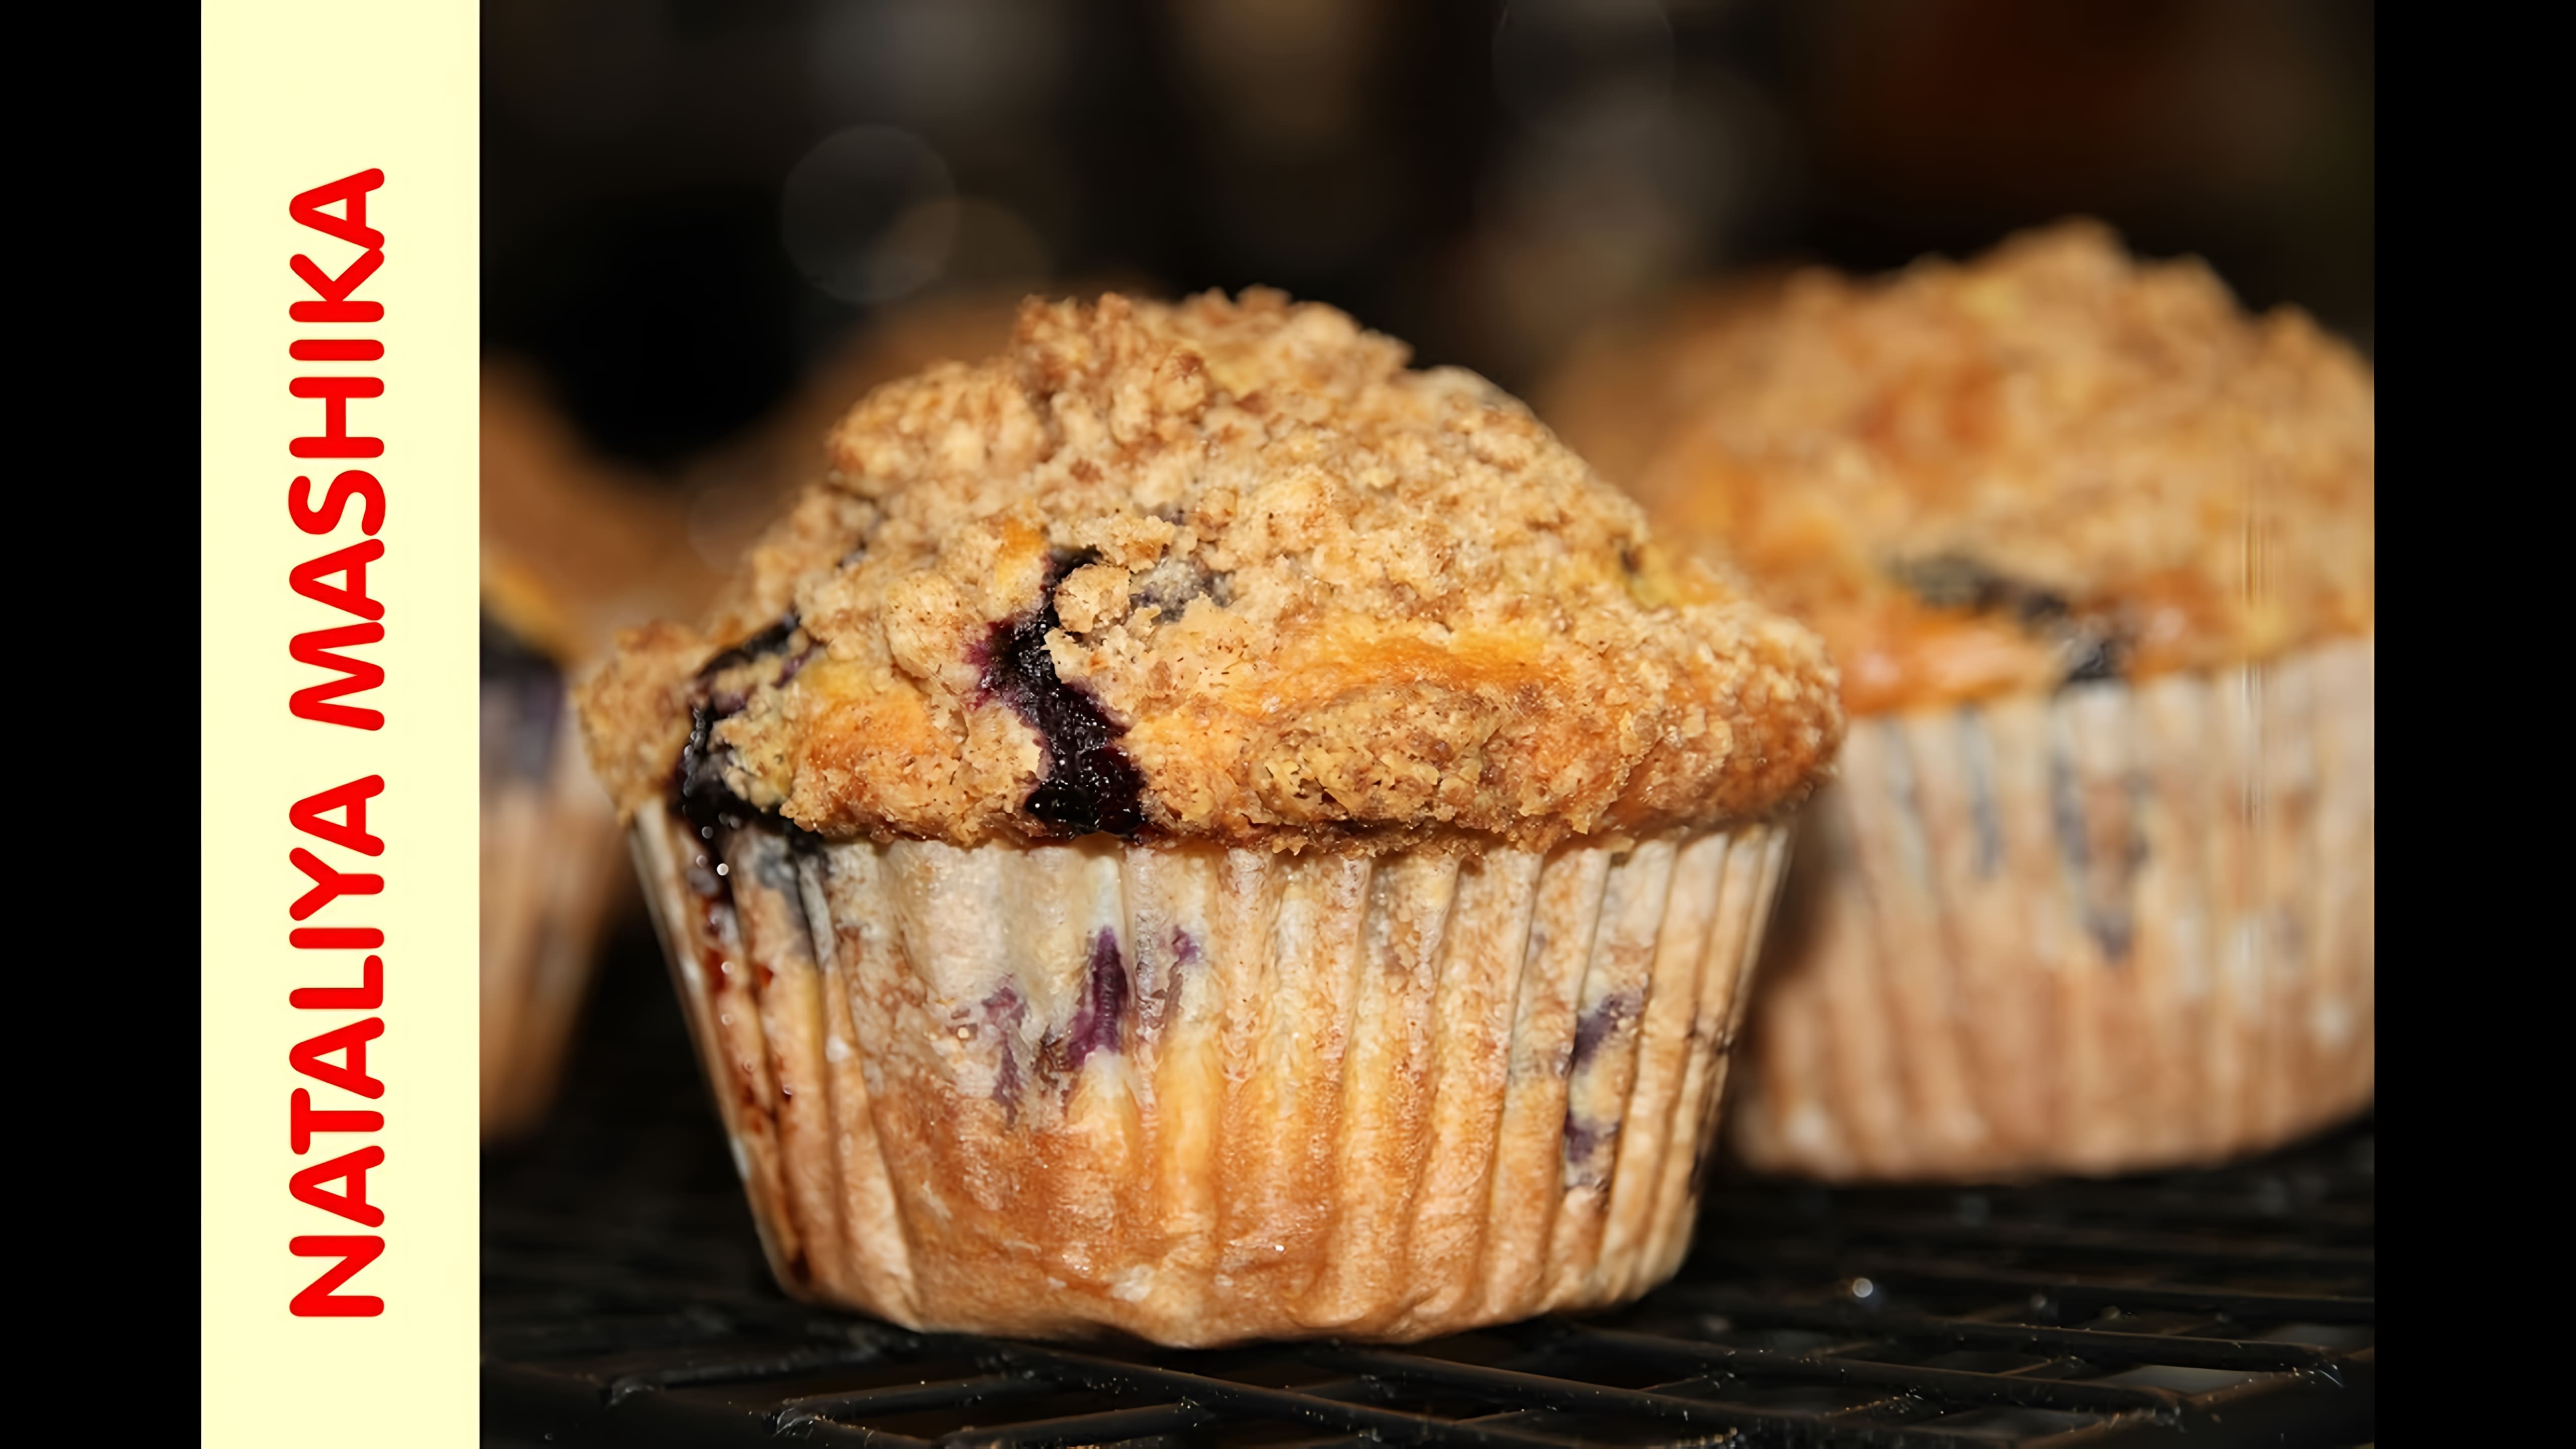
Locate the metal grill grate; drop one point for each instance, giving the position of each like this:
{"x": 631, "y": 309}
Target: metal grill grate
{"x": 625, "y": 1303}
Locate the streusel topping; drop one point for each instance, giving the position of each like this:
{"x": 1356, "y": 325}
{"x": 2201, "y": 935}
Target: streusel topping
{"x": 2053, "y": 463}
{"x": 1225, "y": 570}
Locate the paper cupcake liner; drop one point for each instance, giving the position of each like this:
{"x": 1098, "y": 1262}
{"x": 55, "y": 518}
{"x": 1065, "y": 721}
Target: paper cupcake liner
{"x": 1206, "y": 1096}
{"x": 2120, "y": 928}
{"x": 550, "y": 876}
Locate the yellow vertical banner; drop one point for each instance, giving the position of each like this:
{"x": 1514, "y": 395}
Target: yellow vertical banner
{"x": 339, "y": 277}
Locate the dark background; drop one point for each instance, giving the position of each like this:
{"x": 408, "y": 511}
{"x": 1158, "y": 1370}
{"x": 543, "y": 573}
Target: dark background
{"x": 689, "y": 205}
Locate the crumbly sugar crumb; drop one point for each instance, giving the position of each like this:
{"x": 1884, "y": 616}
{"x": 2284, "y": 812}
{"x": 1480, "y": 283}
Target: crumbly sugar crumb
{"x": 2052, "y": 462}
{"x": 1309, "y": 595}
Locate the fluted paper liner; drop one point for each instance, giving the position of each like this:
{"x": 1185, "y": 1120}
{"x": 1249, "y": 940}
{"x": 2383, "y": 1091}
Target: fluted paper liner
{"x": 2120, "y": 928}
{"x": 1206, "y": 1096}
{"x": 549, "y": 879}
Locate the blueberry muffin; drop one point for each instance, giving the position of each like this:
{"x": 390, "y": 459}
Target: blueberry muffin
{"x": 2093, "y": 550}
{"x": 1196, "y": 829}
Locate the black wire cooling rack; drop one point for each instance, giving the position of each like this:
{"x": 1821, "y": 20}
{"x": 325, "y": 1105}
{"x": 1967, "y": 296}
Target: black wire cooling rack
{"x": 625, "y": 1303}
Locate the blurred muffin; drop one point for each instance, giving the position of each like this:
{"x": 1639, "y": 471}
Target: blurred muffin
{"x": 2093, "y": 549}
{"x": 1198, "y": 830}
{"x": 571, "y": 548}
{"x": 1626, "y": 383}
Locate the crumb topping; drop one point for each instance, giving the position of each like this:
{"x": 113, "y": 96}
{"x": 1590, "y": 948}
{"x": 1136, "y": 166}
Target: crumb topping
{"x": 2051, "y": 464}
{"x": 1226, "y": 570}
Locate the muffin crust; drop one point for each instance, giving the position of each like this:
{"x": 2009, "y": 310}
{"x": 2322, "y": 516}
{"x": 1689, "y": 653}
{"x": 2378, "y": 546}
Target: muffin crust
{"x": 1306, "y": 595}
{"x": 2051, "y": 464}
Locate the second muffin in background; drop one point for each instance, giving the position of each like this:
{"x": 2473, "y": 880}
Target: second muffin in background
{"x": 1194, "y": 828}
{"x": 573, "y": 547}
{"x": 2096, "y": 555}
{"x": 2093, "y": 549}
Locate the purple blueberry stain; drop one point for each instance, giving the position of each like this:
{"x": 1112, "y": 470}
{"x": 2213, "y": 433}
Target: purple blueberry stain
{"x": 1006, "y": 1086}
{"x": 704, "y": 798}
{"x": 699, "y": 788}
{"x": 1154, "y": 1003}
{"x": 1586, "y": 1145}
{"x": 1983, "y": 812}
{"x": 1100, "y": 1022}
{"x": 2105, "y": 894}
{"x": 2092, "y": 646}
{"x": 796, "y": 663}
{"x": 1090, "y": 783}
{"x": 1004, "y": 1011}
{"x": 1594, "y": 1028}
{"x": 769, "y": 640}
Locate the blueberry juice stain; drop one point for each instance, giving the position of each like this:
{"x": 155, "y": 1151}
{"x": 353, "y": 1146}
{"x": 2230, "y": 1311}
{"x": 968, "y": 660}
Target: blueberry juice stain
{"x": 1090, "y": 783}
{"x": 1100, "y": 1022}
{"x": 701, "y": 796}
{"x": 698, "y": 787}
{"x": 2096, "y": 644}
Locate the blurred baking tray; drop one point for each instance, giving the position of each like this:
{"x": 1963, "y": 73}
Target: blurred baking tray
{"x": 625, "y": 1303}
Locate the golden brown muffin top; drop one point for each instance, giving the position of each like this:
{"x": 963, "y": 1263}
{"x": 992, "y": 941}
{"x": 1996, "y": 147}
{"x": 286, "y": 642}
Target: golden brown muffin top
{"x": 2049, "y": 464}
{"x": 1222, "y": 570}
